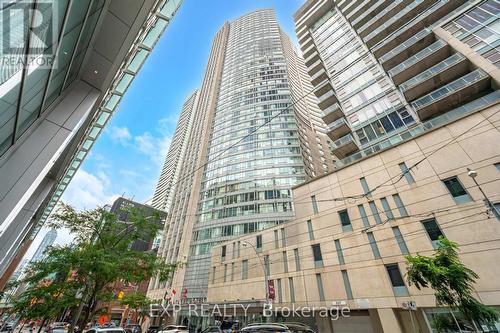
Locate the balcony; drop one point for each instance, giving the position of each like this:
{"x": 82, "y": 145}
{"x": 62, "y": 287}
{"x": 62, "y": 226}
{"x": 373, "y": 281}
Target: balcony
{"x": 436, "y": 76}
{"x": 308, "y": 50}
{"x": 332, "y": 113}
{"x": 370, "y": 13}
{"x": 360, "y": 9}
{"x": 312, "y": 58}
{"x": 381, "y": 17}
{"x": 410, "y": 47}
{"x": 322, "y": 88}
{"x": 305, "y": 41}
{"x": 345, "y": 146}
{"x": 458, "y": 92}
{"x": 315, "y": 67}
{"x": 319, "y": 77}
{"x": 424, "y": 59}
{"x": 427, "y": 19}
{"x": 327, "y": 100}
{"x": 397, "y": 21}
{"x": 338, "y": 129}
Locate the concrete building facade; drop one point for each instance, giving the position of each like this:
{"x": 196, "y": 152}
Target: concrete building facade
{"x": 51, "y": 115}
{"x": 409, "y": 92}
{"x": 345, "y": 248}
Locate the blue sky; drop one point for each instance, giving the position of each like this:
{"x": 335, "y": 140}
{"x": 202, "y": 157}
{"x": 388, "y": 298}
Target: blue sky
{"x": 127, "y": 157}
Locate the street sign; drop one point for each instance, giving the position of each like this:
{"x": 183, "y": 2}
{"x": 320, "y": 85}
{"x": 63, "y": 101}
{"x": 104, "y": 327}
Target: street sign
{"x": 410, "y": 305}
{"x": 271, "y": 293}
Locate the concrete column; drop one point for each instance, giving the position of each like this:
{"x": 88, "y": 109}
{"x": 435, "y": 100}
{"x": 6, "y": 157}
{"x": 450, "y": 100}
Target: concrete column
{"x": 386, "y": 320}
{"x": 475, "y": 58}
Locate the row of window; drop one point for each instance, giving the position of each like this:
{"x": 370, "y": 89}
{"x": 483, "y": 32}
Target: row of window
{"x": 249, "y": 174}
{"x": 393, "y": 273}
{"x": 255, "y": 184}
{"x": 345, "y": 220}
{"x": 250, "y": 209}
{"x": 453, "y": 184}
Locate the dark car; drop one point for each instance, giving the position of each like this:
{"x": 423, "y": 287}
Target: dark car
{"x": 134, "y": 328}
{"x": 213, "y": 329}
{"x": 275, "y": 327}
{"x": 154, "y": 329}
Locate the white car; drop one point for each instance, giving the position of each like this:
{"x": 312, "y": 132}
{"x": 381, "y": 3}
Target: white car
{"x": 174, "y": 329}
{"x": 105, "y": 330}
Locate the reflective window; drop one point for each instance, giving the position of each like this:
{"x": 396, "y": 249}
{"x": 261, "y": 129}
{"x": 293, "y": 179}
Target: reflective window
{"x": 456, "y": 190}
{"x": 480, "y": 29}
{"x": 318, "y": 257}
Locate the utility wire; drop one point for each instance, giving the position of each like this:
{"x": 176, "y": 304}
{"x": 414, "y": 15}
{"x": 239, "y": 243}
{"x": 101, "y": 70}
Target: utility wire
{"x": 416, "y": 234}
{"x": 308, "y": 243}
{"x": 393, "y": 210}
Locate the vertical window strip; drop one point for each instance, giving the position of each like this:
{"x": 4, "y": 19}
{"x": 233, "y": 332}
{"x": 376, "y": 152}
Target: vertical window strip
{"x": 345, "y": 221}
{"x": 276, "y": 239}
{"x": 280, "y": 292}
{"x": 364, "y": 185}
{"x": 364, "y": 217}
{"x": 285, "y": 262}
{"x": 433, "y": 231}
{"x": 318, "y": 257}
{"x": 375, "y": 213}
{"x": 310, "y": 230}
{"x": 400, "y": 240}
{"x": 347, "y": 285}
{"x": 373, "y": 244}
{"x": 319, "y": 283}
{"x": 297, "y": 259}
{"x": 400, "y": 205}
{"x": 314, "y": 204}
{"x": 340, "y": 254}
{"x": 387, "y": 208}
{"x": 244, "y": 269}
{"x": 407, "y": 173}
{"x": 283, "y": 237}
{"x": 225, "y": 272}
{"x": 292, "y": 290}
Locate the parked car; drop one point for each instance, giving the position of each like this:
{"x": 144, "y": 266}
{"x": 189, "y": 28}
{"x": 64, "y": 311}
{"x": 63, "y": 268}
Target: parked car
{"x": 106, "y": 330}
{"x": 277, "y": 327}
{"x": 133, "y": 328}
{"x": 212, "y": 329}
{"x": 154, "y": 329}
{"x": 174, "y": 329}
{"x": 9, "y": 326}
{"x": 57, "y": 327}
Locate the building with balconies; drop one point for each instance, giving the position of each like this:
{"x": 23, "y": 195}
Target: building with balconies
{"x": 386, "y": 66}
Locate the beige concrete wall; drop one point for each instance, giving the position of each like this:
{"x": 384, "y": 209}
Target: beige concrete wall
{"x": 467, "y": 224}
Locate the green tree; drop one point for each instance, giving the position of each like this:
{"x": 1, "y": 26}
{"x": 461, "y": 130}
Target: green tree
{"x": 136, "y": 301}
{"x": 82, "y": 274}
{"x": 452, "y": 281}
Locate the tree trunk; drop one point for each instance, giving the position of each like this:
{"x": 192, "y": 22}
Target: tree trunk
{"x": 90, "y": 310}
{"x": 22, "y": 326}
{"x": 41, "y": 324}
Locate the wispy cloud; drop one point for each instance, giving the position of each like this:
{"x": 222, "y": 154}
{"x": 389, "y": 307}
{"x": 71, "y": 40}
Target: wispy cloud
{"x": 87, "y": 190}
{"x": 153, "y": 146}
{"x": 120, "y": 135}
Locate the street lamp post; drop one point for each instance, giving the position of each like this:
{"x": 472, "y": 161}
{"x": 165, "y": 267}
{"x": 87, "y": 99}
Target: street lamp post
{"x": 473, "y": 175}
{"x": 266, "y": 286}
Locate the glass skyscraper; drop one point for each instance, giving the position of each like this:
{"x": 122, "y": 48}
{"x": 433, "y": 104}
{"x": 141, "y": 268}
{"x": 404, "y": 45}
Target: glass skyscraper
{"x": 261, "y": 134}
